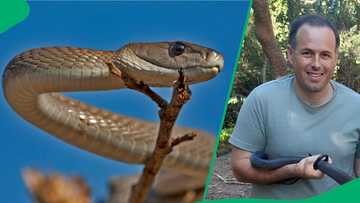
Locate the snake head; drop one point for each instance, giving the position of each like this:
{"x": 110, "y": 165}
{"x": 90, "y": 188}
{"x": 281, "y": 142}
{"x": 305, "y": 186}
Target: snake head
{"x": 158, "y": 64}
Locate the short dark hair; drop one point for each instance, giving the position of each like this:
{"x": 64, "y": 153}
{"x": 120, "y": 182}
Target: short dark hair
{"x": 312, "y": 20}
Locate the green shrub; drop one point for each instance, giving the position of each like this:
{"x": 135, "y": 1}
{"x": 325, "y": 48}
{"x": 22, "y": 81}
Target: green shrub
{"x": 225, "y": 134}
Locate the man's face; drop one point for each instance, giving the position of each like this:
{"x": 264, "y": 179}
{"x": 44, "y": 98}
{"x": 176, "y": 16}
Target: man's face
{"x": 314, "y": 58}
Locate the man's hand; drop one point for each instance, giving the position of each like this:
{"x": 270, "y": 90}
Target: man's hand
{"x": 305, "y": 168}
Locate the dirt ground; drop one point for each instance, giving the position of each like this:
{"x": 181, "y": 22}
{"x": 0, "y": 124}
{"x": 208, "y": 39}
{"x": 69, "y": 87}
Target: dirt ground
{"x": 223, "y": 183}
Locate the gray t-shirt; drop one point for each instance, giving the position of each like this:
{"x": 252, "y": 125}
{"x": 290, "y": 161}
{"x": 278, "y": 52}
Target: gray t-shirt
{"x": 274, "y": 119}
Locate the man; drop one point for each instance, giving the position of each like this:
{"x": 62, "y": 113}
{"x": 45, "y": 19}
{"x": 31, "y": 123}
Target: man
{"x": 300, "y": 114}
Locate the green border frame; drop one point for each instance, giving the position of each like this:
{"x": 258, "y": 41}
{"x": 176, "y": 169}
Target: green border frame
{"x": 344, "y": 193}
{"x": 12, "y": 12}
{"x": 235, "y": 68}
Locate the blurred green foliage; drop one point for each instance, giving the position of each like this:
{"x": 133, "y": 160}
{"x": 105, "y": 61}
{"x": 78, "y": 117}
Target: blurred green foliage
{"x": 225, "y": 134}
{"x": 254, "y": 69}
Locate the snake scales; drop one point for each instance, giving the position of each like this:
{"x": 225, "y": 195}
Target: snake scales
{"x": 32, "y": 80}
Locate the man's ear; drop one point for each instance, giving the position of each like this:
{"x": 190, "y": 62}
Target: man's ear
{"x": 290, "y": 55}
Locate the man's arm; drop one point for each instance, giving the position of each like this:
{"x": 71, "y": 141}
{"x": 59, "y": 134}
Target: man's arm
{"x": 244, "y": 172}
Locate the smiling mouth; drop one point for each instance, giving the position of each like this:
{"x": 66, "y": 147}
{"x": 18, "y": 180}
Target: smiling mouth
{"x": 314, "y": 75}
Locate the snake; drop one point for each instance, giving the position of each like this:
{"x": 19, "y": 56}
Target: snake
{"x": 260, "y": 160}
{"x": 34, "y": 80}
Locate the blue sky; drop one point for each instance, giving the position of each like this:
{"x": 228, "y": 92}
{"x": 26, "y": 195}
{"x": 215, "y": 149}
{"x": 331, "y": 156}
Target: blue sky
{"x": 108, "y": 26}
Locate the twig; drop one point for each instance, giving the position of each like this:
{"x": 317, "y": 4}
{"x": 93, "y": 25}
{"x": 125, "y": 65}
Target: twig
{"x": 186, "y": 137}
{"x": 145, "y": 89}
{"x": 168, "y": 114}
{"x": 229, "y": 180}
{"x": 141, "y": 87}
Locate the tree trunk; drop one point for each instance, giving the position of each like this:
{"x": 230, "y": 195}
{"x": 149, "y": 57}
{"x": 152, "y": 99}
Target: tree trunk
{"x": 265, "y": 35}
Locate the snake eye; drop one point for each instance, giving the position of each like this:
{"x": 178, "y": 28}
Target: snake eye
{"x": 176, "y": 49}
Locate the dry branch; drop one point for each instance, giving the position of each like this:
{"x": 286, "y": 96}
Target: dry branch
{"x": 168, "y": 114}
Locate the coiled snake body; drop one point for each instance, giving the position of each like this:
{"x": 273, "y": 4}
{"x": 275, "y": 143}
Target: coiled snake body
{"x": 32, "y": 80}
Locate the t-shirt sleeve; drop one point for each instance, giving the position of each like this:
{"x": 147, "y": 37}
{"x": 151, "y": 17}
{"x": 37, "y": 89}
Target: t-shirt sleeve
{"x": 249, "y": 131}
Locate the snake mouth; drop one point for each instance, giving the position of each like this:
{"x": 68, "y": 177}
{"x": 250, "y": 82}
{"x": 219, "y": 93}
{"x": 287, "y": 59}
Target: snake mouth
{"x": 216, "y": 64}
{"x": 196, "y": 74}
{"x": 154, "y": 75}
{"x": 217, "y": 68}
{"x": 200, "y": 74}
